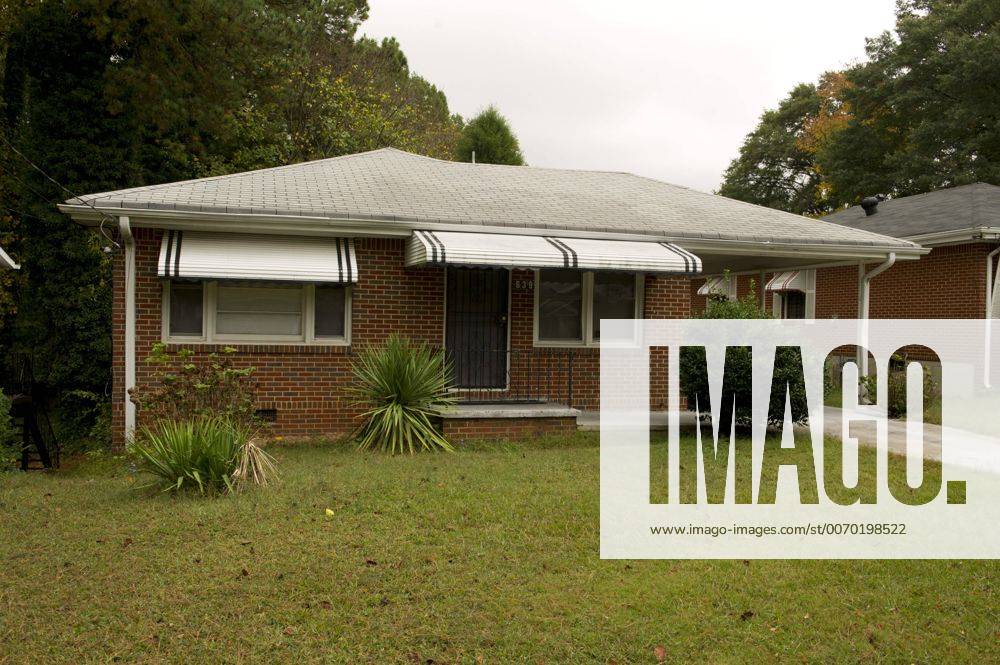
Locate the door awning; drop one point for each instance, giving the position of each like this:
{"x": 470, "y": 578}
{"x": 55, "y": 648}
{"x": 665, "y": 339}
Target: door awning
{"x": 792, "y": 280}
{"x": 199, "y": 255}
{"x": 523, "y": 251}
{"x": 718, "y": 286}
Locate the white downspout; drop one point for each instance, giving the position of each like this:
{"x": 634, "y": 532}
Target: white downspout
{"x": 129, "y": 244}
{"x": 990, "y": 295}
{"x": 864, "y": 287}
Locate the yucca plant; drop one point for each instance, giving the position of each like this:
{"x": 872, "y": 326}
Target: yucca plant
{"x": 207, "y": 454}
{"x": 404, "y": 386}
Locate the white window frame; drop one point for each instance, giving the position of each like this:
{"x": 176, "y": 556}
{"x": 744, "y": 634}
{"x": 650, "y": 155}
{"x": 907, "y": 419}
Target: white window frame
{"x": 209, "y": 336}
{"x": 587, "y": 311}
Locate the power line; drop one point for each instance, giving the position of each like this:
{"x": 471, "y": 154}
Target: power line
{"x": 104, "y": 216}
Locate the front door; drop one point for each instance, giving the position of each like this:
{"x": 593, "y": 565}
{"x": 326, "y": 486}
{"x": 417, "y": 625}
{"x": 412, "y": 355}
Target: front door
{"x": 476, "y": 326}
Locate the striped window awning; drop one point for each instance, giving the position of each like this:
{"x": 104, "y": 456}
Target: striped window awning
{"x": 715, "y": 286}
{"x": 200, "y": 255}
{"x": 523, "y": 251}
{"x": 792, "y": 280}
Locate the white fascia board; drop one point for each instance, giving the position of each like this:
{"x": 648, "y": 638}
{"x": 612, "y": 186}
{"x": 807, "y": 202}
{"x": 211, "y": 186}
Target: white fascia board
{"x": 320, "y": 226}
{"x": 957, "y": 236}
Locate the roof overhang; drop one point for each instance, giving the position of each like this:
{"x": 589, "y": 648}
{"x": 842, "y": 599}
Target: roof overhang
{"x": 957, "y": 236}
{"x": 7, "y": 263}
{"x": 718, "y": 254}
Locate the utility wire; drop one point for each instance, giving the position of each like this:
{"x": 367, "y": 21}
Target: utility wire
{"x": 104, "y": 216}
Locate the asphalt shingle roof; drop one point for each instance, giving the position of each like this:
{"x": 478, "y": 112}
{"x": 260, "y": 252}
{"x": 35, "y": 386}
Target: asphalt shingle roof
{"x": 953, "y": 209}
{"x": 392, "y": 185}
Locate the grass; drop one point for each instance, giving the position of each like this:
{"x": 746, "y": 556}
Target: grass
{"x": 488, "y": 555}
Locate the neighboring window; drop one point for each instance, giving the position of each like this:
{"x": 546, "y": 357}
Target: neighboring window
{"x": 330, "y": 311}
{"x": 571, "y": 303}
{"x": 614, "y": 298}
{"x": 263, "y": 310}
{"x": 793, "y": 305}
{"x": 187, "y": 309}
{"x": 560, "y": 305}
{"x": 256, "y": 312}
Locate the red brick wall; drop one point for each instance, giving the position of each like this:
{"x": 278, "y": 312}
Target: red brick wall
{"x": 305, "y": 384}
{"x": 462, "y": 429}
{"x": 948, "y": 283}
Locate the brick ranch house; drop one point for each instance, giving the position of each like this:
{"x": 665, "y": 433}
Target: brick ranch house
{"x": 510, "y": 269}
{"x": 956, "y": 280}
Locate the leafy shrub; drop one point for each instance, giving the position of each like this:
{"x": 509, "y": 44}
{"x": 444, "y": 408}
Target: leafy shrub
{"x": 10, "y": 455}
{"x": 896, "y": 387}
{"x": 210, "y": 454}
{"x": 739, "y": 370}
{"x": 83, "y": 421}
{"x": 403, "y": 386}
{"x": 183, "y": 390}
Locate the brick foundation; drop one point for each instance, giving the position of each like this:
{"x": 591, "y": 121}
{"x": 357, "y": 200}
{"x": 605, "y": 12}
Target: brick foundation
{"x": 463, "y": 429}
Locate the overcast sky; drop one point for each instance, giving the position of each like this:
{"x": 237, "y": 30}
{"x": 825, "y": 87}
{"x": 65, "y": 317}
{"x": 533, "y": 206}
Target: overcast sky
{"x": 666, "y": 89}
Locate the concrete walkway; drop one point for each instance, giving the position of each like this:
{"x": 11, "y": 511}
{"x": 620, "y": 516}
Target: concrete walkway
{"x": 968, "y": 449}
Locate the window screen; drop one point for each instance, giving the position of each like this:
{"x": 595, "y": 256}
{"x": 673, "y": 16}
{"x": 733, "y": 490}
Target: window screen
{"x": 259, "y": 310}
{"x": 186, "y": 309}
{"x": 330, "y": 311}
{"x": 560, "y": 305}
{"x": 614, "y": 298}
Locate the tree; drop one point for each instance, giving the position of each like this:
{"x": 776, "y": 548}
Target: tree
{"x": 104, "y": 95}
{"x": 491, "y": 138}
{"x": 921, "y": 113}
{"x": 775, "y": 168}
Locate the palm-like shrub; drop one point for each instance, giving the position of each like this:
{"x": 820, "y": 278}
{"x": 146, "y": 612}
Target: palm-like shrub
{"x": 209, "y": 454}
{"x": 403, "y": 386}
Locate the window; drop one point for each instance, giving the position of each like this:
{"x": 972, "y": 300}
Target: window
{"x": 187, "y": 309}
{"x": 569, "y": 304}
{"x": 793, "y": 305}
{"x": 256, "y": 312}
{"x": 560, "y": 305}
{"x": 259, "y": 310}
{"x": 614, "y": 298}
{"x": 330, "y": 311}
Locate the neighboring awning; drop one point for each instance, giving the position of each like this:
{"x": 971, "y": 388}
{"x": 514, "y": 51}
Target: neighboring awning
{"x": 793, "y": 280}
{"x": 7, "y": 263}
{"x": 714, "y": 286}
{"x": 523, "y": 251}
{"x": 198, "y": 255}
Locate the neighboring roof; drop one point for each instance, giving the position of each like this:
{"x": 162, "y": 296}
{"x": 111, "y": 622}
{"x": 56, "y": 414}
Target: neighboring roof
{"x": 7, "y": 263}
{"x": 967, "y": 207}
{"x": 390, "y": 185}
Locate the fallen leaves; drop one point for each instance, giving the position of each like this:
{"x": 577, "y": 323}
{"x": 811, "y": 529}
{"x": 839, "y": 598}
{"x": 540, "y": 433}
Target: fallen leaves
{"x": 660, "y": 652}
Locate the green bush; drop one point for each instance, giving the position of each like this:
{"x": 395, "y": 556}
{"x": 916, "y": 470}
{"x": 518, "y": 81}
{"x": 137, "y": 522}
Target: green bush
{"x": 183, "y": 389}
{"x": 896, "y": 386}
{"x": 739, "y": 371}
{"x": 207, "y": 454}
{"x": 10, "y": 455}
{"x": 403, "y": 386}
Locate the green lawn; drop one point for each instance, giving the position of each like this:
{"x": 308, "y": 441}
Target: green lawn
{"x": 488, "y": 555}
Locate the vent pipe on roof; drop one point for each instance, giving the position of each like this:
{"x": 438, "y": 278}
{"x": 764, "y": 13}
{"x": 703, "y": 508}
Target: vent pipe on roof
{"x": 870, "y": 204}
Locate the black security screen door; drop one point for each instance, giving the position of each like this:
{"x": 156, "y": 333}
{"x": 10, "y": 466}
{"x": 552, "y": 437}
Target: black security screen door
{"x": 476, "y": 326}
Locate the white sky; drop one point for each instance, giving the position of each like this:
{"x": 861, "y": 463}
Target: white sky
{"x": 664, "y": 89}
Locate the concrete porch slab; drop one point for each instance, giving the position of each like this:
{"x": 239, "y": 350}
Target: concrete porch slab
{"x": 498, "y": 411}
{"x": 590, "y": 421}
